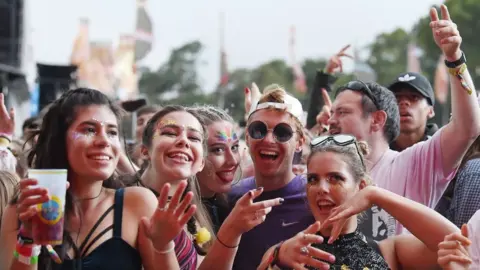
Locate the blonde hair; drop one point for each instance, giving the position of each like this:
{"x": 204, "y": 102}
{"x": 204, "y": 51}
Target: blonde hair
{"x": 276, "y": 93}
{"x": 8, "y": 184}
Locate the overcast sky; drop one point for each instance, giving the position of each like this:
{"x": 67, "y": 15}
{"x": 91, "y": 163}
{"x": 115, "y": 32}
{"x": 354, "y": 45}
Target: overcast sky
{"x": 256, "y": 30}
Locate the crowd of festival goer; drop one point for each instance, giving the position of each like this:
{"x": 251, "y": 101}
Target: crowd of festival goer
{"x": 364, "y": 183}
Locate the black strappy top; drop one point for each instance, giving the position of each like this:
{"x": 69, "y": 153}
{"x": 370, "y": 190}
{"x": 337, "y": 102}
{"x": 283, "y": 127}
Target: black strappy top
{"x": 354, "y": 251}
{"x": 113, "y": 254}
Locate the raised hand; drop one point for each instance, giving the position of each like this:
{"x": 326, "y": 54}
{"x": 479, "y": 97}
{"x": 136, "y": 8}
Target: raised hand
{"x": 353, "y": 206}
{"x": 169, "y": 218}
{"x": 296, "y": 252}
{"x": 445, "y": 34}
{"x": 324, "y": 115}
{"x": 335, "y": 62}
{"x": 453, "y": 252}
{"x": 7, "y": 118}
{"x": 252, "y": 95}
{"x": 247, "y": 214}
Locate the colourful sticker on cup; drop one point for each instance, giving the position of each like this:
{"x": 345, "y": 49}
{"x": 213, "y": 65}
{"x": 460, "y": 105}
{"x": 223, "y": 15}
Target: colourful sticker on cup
{"x": 50, "y": 212}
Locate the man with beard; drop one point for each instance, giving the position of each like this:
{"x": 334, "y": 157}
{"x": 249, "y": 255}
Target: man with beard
{"x": 423, "y": 171}
{"x": 415, "y": 99}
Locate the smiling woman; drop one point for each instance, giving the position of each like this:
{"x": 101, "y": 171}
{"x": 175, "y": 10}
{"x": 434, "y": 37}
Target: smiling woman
{"x": 79, "y": 133}
{"x": 222, "y": 167}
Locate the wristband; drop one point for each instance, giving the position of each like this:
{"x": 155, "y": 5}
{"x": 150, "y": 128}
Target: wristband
{"x": 223, "y": 244}
{"x": 274, "y": 258}
{"x": 6, "y": 136}
{"x": 458, "y": 73}
{"x": 163, "y": 252}
{"x": 27, "y": 254}
{"x": 4, "y": 142}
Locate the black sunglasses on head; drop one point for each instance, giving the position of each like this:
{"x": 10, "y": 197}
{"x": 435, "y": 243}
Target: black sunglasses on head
{"x": 340, "y": 140}
{"x": 258, "y": 130}
{"x": 361, "y": 87}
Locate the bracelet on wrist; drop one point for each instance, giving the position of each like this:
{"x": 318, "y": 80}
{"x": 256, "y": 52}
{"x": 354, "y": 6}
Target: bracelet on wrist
{"x": 223, "y": 244}
{"x": 27, "y": 254}
{"x": 164, "y": 252}
{"x": 458, "y": 73}
{"x": 274, "y": 259}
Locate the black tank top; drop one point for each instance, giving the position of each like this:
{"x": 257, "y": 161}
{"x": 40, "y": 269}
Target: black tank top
{"x": 113, "y": 254}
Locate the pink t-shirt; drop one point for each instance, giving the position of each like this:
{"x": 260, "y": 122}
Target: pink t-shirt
{"x": 474, "y": 235}
{"x": 415, "y": 173}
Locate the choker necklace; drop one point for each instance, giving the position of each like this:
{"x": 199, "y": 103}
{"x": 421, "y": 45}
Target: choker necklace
{"x": 91, "y": 198}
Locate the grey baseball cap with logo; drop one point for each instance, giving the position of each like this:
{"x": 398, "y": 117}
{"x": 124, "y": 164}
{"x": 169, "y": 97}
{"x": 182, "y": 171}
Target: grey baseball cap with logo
{"x": 416, "y": 82}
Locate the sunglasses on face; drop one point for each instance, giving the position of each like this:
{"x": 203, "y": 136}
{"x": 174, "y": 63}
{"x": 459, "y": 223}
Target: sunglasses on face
{"x": 282, "y": 132}
{"x": 340, "y": 140}
{"x": 361, "y": 87}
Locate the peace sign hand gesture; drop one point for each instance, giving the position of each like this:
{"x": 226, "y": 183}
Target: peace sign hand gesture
{"x": 335, "y": 62}
{"x": 445, "y": 34}
{"x": 169, "y": 220}
{"x": 247, "y": 214}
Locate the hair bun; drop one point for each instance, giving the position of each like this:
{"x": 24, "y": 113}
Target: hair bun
{"x": 363, "y": 147}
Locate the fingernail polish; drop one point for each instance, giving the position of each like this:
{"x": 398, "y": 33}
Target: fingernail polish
{"x": 281, "y": 200}
{"x": 246, "y": 90}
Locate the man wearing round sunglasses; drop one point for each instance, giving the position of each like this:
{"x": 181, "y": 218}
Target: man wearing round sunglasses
{"x": 274, "y": 134}
{"x": 422, "y": 172}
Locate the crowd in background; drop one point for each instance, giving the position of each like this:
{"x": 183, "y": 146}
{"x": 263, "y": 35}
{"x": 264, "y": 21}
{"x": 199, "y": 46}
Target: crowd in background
{"x": 362, "y": 182}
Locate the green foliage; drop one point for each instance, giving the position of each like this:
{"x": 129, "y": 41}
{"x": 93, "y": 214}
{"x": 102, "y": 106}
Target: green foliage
{"x": 388, "y": 55}
{"x": 176, "y": 81}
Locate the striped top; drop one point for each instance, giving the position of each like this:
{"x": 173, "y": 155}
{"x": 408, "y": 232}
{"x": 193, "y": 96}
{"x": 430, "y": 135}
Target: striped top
{"x": 185, "y": 252}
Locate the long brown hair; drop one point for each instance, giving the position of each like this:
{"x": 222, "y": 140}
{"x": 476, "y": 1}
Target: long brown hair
{"x": 201, "y": 215}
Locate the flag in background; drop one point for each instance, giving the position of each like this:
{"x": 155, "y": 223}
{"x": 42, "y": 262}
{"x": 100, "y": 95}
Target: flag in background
{"x": 143, "y": 32}
{"x": 441, "y": 82}
{"x": 413, "y": 62}
{"x": 299, "y": 76}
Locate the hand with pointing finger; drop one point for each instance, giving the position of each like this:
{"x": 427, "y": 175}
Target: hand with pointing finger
{"x": 445, "y": 34}
{"x": 453, "y": 251}
{"x": 247, "y": 214}
{"x": 335, "y": 62}
{"x": 324, "y": 115}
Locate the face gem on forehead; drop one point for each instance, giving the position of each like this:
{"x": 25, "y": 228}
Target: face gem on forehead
{"x": 227, "y": 136}
{"x": 168, "y": 122}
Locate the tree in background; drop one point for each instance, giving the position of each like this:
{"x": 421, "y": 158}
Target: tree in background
{"x": 388, "y": 55}
{"x": 177, "y": 80}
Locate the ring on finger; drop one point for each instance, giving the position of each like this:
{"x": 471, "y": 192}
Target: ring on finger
{"x": 304, "y": 250}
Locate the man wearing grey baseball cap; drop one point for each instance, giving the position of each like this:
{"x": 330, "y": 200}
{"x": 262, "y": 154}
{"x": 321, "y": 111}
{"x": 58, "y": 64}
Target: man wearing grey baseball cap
{"x": 415, "y": 99}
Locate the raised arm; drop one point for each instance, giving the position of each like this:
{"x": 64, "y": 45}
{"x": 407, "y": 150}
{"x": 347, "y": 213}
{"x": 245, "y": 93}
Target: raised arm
{"x": 428, "y": 227}
{"x": 464, "y": 127}
{"x": 245, "y": 216}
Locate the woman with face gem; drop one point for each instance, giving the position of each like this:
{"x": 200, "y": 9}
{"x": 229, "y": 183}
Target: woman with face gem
{"x": 336, "y": 192}
{"x": 174, "y": 147}
{"x": 222, "y": 166}
{"x": 80, "y": 133}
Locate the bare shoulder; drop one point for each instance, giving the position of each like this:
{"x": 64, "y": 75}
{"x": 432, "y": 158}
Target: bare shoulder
{"x": 140, "y": 200}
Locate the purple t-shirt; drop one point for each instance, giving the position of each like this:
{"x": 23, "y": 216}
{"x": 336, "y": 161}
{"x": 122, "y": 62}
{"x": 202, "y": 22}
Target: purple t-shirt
{"x": 282, "y": 223}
